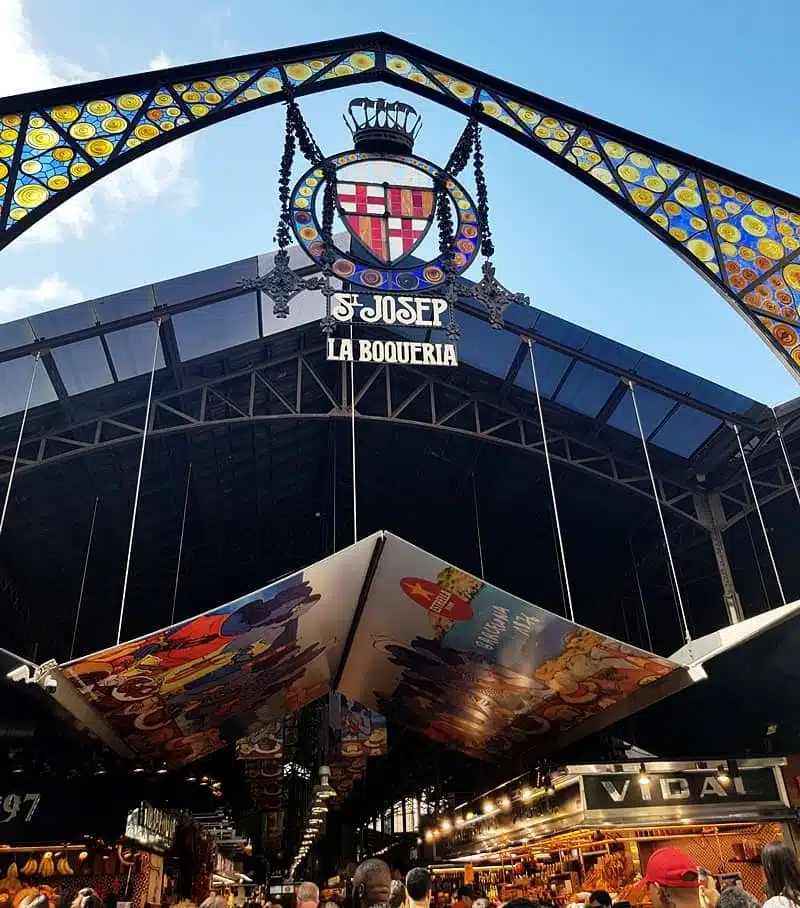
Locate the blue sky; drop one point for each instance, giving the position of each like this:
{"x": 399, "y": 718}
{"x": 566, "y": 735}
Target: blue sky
{"x": 694, "y": 75}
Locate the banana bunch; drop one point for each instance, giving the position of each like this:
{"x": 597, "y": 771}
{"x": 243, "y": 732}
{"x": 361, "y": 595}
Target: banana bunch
{"x": 13, "y": 871}
{"x": 47, "y": 867}
{"x": 30, "y": 867}
{"x": 64, "y": 868}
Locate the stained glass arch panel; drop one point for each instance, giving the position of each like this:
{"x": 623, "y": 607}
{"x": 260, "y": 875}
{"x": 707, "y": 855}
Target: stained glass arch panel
{"x": 740, "y": 235}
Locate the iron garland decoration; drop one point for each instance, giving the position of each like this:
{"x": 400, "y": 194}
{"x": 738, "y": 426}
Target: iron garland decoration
{"x": 388, "y": 200}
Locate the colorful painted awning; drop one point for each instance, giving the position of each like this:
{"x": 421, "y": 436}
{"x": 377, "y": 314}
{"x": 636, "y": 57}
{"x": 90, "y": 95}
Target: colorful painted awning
{"x": 390, "y": 626}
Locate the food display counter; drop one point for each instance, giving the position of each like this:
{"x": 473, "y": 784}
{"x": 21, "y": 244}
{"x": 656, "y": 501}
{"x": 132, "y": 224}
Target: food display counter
{"x": 595, "y": 827}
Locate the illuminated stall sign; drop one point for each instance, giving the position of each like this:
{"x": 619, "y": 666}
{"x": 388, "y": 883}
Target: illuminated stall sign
{"x": 680, "y": 788}
{"x": 390, "y": 311}
{"x": 152, "y": 827}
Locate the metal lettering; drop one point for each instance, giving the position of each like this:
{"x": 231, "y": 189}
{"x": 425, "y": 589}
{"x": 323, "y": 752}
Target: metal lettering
{"x": 616, "y": 796}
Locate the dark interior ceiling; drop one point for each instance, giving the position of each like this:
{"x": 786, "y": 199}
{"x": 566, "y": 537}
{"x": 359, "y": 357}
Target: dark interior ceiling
{"x": 267, "y": 498}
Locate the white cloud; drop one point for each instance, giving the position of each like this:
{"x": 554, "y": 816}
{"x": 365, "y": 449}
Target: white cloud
{"x": 158, "y": 173}
{"x": 51, "y": 293}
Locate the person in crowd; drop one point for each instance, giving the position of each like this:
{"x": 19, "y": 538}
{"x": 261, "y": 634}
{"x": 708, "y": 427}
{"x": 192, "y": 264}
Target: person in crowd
{"x": 397, "y": 894}
{"x": 673, "y": 879}
{"x": 419, "y": 886}
{"x": 599, "y": 899}
{"x": 213, "y": 901}
{"x": 465, "y": 897}
{"x": 709, "y": 894}
{"x": 86, "y": 898}
{"x": 372, "y": 883}
{"x": 735, "y": 897}
{"x": 481, "y": 903}
{"x": 783, "y": 876}
{"x": 308, "y": 895}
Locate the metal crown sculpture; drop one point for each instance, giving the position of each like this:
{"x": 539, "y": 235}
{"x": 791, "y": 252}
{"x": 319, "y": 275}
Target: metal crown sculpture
{"x": 387, "y": 126}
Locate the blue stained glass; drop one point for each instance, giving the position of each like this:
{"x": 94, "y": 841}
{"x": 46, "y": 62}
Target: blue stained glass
{"x": 83, "y": 365}
{"x": 685, "y": 431}
{"x": 653, "y": 408}
{"x": 586, "y": 389}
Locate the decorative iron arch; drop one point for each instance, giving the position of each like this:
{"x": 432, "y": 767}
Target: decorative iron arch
{"x": 742, "y": 236}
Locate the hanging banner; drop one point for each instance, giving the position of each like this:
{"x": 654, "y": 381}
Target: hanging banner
{"x": 364, "y": 732}
{"x": 188, "y": 690}
{"x": 469, "y": 665}
{"x": 265, "y": 743}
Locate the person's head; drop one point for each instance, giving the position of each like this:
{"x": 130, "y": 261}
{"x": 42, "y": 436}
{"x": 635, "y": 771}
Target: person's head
{"x": 397, "y": 894}
{"x": 781, "y": 871}
{"x": 86, "y": 898}
{"x": 599, "y": 899}
{"x": 480, "y": 903}
{"x": 372, "y": 883}
{"x": 734, "y": 897}
{"x": 307, "y": 895}
{"x": 465, "y": 895}
{"x": 672, "y": 879}
{"x": 213, "y": 901}
{"x": 418, "y": 885}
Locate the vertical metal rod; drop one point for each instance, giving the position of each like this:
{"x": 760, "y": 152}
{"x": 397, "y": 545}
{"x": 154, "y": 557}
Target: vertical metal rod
{"x": 19, "y": 442}
{"x": 552, "y": 484}
{"x": 641, "y": 595}
{"x": 786, "y": 456}
{"x": 138, "y": 481}
{"x": 671, "y": 562}
{"x": 180, "y": 544}
{"x": 353, "y": 437}
{"x": 83, "y": 579}
{"x": 335, "y": 484}
{"x": 760, "y": 515}
{"x": 478, "y": 525}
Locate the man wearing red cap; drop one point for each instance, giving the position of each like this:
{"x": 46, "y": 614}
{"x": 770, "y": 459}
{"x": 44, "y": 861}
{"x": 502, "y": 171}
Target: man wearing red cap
{"x": 673, "y": 879}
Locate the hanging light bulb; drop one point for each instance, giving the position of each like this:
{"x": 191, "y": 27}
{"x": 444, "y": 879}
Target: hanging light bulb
{"x": 459, "y": 821}
{"x": 428, "y": 835}
{"x": 470, "y": 815}
{"x": 487, "y": 807}
{"x": 722, "y": 775}
{"x": 446, "y": 826}
{"x": 505, "y": 803}
{"x": 526, "y": 794}
{"x": 644, "y": 778}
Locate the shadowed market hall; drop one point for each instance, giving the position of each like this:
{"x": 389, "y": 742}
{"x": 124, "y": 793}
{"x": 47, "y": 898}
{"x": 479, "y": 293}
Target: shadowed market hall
{"x": 348, "y": 550}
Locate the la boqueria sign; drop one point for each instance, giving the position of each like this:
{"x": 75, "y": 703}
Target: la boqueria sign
{"x": 390, "y": 311}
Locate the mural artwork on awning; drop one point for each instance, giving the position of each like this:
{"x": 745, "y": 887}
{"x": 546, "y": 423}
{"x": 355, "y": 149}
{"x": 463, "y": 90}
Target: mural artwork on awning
{"x": 476, "y": 668}
{"x": 431, "y": 647}
{"x": 186, "y": 691}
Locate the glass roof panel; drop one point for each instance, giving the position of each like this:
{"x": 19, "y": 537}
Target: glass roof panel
{"x": 202, "y": 283}
{"x": 653, "y": 407}
{"x": 586, "y": 389}
{"x": 609, "y": 351}
{"x": 83, "y": 365}
{"x": 729, "y": 401}
{"x": 677, "y": 380}
{"x": 308, "y": 306}
{"x": 550, "y": 368}
{"x": 561, "y": 331}
{"x": 131, "y": 350}
{"x": 484, "y": 348}
{"x": 685, "y": 431}
{"x": 216, "y": 327}
{"x": 124, "y": 305}
{"x": 15, "y": 379}
{"x": 16, "y": 334}
{"x": 65, "y": 320}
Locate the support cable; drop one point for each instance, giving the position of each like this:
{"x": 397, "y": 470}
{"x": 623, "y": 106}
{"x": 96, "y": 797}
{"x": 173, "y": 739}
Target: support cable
{"x": 789, "y": 467}
{"x": 670, "y": 560}
{"x": 478, "y": 525}
{"x": 561, "y": 551}
{"x": 180, "y": 544}
{"x": 760, "y": 515}
{"x": 641, "y": 595}
{"x": 19, "y": 442}
{"x": 83, "y": 578}
{"x": 138, "y": 480}
{"x": 353, "y": 438}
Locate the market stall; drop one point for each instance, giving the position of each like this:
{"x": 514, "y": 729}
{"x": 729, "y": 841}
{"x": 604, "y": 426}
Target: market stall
{"x": 595, "y": 827}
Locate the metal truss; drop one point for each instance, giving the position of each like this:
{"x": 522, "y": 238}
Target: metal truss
{"x": 64, "y": 135}
{"x": 303, "y": 386}
{"x": 771, "y": 480}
